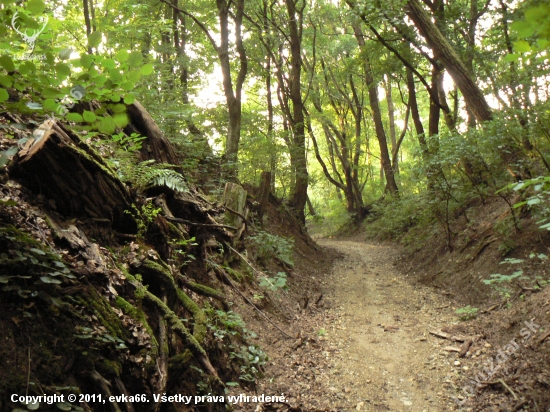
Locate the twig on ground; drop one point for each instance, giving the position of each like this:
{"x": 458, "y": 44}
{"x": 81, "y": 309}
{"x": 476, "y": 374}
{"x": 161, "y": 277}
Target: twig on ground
{"x": 509, "y": 389}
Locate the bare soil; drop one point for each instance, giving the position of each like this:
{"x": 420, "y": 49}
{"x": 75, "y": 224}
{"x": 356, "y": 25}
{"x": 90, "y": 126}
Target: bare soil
{"x": 366, "y": 344}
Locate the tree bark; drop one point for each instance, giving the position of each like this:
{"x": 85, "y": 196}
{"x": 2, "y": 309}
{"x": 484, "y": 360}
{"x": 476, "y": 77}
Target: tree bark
{"x": 298, "y": 151}
{"x": 391, "y": 184}
{"x": 443, "y": 51}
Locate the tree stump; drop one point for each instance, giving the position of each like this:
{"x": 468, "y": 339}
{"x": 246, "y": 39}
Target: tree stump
{"x": 234, "y": 197}
{"x": 263, "y": 194}
{"x": 72, "y": 178}
{"x": 156, "y": 146}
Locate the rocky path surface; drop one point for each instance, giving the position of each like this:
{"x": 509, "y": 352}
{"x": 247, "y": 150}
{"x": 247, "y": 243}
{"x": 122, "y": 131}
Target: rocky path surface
{"x": 380, "y": 352}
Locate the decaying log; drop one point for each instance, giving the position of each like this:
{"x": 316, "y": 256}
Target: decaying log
{"x": 156, "y": 146}
{"x": 74, "y": 180}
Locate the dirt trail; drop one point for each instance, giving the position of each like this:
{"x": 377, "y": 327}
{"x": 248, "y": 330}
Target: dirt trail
{"x": 382, "y": 356}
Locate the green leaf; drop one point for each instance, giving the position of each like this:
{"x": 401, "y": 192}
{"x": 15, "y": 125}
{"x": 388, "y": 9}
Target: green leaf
{"x": 135, "y": 59}
{"x": 129, "y": 99}
{"x": 127, "y": 86}
{"x": 109, "y": 63}
{"x": 7, "y": 63}
{"x": 27, "y": 68}
{"x": 89, "y": 116}
{"x": 115, "y": 75}
{"x": 106, "y": 125}
{"x": 6, "y": 81}
{"x": 115, "y": 97}
{"x": 74, "y": 117}
{"x": 64, "y": 406}
{"x": 147, "y": 69}
{"x": 122, "y": 55}
{"x": 49, "y": 105}
{"x": 47, "y": 279}
{"x": 86, "y": 61}
{"x": 121, "y": 119}
{"x": 36, "y": 6}
{"x": 523, "y": 29}
{"x": 512, "y": 57}
{"x": 94, "y": 39}
{"x": 65, "y": 54}
{"x": 134, "y": 76}
{"x": 521, "y": 46}
{"x": 4, "y": 95}
{"x": 118, "y": 108}
{"x": 63, "y": 70}
{"x": 37, "y": 251}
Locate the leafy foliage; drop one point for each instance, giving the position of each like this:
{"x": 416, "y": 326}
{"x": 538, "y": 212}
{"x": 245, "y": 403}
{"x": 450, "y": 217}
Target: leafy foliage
{"x": 27, "y": 268}
{"x": 270, "y": 246}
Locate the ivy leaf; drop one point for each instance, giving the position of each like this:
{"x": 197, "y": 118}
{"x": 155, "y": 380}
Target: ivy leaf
{"x": 3, "y": 95}
{"x": 7, "y": 63}
{"x": 94, "y": 39}
{"x": 88, "y": 116}
{"x": 36, "y": 6}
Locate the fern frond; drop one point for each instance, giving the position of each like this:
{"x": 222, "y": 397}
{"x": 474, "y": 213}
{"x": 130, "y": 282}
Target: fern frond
{"x": 149, "y": 174}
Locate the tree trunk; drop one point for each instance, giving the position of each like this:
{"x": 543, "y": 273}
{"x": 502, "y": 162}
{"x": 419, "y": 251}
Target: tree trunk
{"x": 73, "y": 178}
{"x": 391, "y": 184}
{"x": 156, "y": 146}
{"x": 298, "y": 151}
{"x": 443, "y": 51}
{"x": 233, "y": 97}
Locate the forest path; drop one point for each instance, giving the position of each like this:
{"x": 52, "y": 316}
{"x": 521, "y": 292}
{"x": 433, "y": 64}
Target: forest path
{"x": 384, "y": 358}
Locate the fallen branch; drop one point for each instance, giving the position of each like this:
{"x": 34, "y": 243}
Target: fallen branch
{"x": 509, "y": 389}
{"x": 448, "y": 336}
{"x": 187, "y": 222}
{"x": 245, "y": 220}
{"x": 464, "y": 348}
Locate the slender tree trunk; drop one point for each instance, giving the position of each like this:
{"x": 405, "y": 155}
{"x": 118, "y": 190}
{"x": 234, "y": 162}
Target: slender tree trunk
{"x": 391, "y": 118}
{"x": 391, "y": 184}
{"x": 443, "y": 50}
{"x": 233, "y": 97}
{"x": 299, "y": 194}
{"x": 87, "y": 21}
